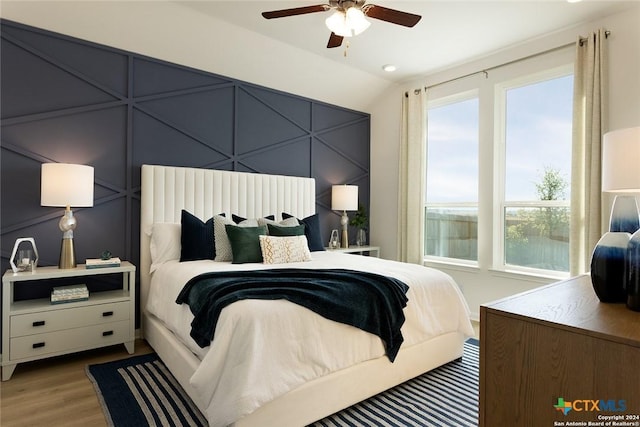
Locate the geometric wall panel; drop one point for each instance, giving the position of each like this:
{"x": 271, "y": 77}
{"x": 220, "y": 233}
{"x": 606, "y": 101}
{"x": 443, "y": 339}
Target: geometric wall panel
{"x": 262, "y": 125}
{"x": 69, "y": 100}
{"x": 270, "y": 160}
{"x": 297, "y": 110}
{"x": 325, "y": 116}
{"x": 106, "y": 68}
{"x": 203, "y": 115}
{"x": 153, "y": 77}
{"x": 41, "y": 86}
{"x": 157, "y": 142}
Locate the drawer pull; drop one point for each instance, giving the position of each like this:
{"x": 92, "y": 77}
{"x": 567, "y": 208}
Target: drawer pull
{"x": 38, "y": 345}
{"x": 107, "y": 314}
{"x": 107, "y": 333}
{"x": 38, "y": 323}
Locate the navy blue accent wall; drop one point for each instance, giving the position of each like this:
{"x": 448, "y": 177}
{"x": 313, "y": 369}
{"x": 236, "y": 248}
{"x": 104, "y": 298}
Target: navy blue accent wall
{"x": 69, "y": 100}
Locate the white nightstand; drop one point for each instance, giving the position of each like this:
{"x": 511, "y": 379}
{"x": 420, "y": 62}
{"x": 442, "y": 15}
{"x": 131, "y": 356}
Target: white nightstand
{"x": 36, "y": 329}
{"x": 358, "y": 250}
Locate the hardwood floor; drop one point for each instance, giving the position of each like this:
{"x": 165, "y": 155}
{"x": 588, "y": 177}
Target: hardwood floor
{"x": 56, "y": 391}
{"x": 476, "y": 328}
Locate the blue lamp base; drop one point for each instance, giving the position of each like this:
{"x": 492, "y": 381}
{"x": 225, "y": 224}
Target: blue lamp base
{"x": 625, "y": 215}
{"x": 632, "y": 272}
{"x": 608, "y": 267}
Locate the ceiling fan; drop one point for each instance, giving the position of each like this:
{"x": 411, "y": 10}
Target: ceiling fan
{"x": 349, "y": 17}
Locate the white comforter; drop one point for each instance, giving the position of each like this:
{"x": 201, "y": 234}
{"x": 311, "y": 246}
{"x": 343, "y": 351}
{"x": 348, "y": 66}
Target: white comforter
{"x": 263, "y": 349}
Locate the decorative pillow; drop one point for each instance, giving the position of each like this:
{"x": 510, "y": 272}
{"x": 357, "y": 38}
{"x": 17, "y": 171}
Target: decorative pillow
{"x": 196, "y": 239}
{"x": 285, "y": 249}
{"x": 238, "y": 219}
{"x": 278, "y": 230}
{"x": 289, "y": 222}
{"x": 165, "y": 243}
{"x": 223, "y": 246}
{"x": 311, "y": 230}
{"x": 245, "y": 243}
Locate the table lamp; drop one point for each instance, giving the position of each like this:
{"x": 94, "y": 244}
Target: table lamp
{"x": 344, "y": 198}
{"x": 66, "y": 185}
{"x": 621, "y": 176}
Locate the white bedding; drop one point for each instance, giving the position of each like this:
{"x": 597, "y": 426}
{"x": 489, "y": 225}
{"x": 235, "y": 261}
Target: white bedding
{"x": 262, "y": 349}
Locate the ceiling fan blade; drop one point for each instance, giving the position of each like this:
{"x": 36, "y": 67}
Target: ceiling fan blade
{"x": 391, "y": 15}
{"x": 295, "y": 11}
{"x": 334, "y": 40}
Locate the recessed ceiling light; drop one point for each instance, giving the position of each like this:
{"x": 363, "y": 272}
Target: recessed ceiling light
{"x": 573, "y": 1}
{"x": 389, "y": 68}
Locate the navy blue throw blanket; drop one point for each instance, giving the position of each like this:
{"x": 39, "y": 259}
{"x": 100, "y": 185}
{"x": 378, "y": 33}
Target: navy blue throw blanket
{"x": 368, "y": 301}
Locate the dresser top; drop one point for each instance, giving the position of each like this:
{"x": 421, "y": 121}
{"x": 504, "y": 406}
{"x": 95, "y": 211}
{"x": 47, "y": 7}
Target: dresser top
{"x": 573, "y": 305}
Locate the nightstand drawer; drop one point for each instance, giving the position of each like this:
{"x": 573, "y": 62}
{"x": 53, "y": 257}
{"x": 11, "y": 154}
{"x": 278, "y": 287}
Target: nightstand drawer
{"x": 70, "y": 340}
{"x": 68, "y": 318}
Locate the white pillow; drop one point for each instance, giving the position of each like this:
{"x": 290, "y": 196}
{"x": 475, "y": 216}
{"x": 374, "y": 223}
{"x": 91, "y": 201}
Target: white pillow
{"x": 165, "y": 243}
{"x": 284, "y": 249}
{"x": 223, "y": 245}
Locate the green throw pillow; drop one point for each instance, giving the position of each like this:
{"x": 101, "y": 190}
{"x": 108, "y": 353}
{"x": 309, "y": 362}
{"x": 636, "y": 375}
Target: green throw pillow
{"x": 281, "y": 230}
{"x": 245, "y": 243}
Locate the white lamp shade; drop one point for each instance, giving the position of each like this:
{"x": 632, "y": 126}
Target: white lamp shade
{"x": 337, "y": 24}
{"x": 64, "y": 184}
{"x": 349, "y": 23}
{"x": 344, "y": 197}
{"x": 621, "y": 160}
{"x": 356, "y": 20}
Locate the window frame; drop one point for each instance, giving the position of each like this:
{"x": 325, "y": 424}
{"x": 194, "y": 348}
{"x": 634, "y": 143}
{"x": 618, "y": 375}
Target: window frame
{"x": 500, "y": 205}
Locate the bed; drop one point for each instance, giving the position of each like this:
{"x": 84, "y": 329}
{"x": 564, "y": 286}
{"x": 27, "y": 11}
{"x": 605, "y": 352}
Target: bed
{"x": 287, "y": 382}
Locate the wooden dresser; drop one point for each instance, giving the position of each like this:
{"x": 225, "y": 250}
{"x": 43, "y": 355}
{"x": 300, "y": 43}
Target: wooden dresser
{"x": 558, "y": 341}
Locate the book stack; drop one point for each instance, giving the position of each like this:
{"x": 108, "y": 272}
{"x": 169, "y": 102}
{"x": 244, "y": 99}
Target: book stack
{"x": 102, "y": 263}
{"x": 69, "y": 293}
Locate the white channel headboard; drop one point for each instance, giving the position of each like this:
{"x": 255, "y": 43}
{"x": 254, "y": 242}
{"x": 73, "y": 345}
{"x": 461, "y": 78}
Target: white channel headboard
{"x": 166, "y": 190}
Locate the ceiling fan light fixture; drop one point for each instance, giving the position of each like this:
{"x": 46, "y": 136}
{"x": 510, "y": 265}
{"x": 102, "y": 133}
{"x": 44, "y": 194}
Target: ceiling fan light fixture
{"x": 356, "y": 20}
{"x": 347, "y": 24}
{"x": 337, "y": 24}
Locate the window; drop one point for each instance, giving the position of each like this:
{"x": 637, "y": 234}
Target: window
{"x": 499, "y": 169}
{"x": 535, "y": 119}
{"x": 452, "y": 178}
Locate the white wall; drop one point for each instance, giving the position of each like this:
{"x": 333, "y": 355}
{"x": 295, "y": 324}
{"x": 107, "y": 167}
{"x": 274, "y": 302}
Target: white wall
{"x": 178, "y": 34}
{"x": 484, "y": 285}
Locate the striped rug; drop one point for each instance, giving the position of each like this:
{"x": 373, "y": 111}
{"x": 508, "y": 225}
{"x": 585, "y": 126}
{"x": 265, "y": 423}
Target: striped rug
{"x": 140, "y": 391}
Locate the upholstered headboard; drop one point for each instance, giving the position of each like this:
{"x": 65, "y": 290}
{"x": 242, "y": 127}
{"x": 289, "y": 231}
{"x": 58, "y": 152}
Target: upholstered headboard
{"x": 166, "y": 190}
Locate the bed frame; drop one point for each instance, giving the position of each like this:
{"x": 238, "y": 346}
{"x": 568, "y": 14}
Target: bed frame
{"x": 166, "y": 190}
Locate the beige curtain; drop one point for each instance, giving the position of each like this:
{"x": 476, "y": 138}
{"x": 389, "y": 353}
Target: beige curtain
{"x": 589, "y": 124}
{"x": 412, "y": 177}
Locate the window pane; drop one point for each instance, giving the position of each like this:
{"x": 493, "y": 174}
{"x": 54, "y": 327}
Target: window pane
{"x": 538, "y": 137}
{"x": 451, "y": 229}
{"x": 452, "y": 233}
{"x": 537, "y": 237}
{"x": 452, "y": 153}
{"x": 538, "y": 120}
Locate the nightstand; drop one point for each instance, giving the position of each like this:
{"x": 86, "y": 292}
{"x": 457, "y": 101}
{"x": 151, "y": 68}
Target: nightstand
{"x": 358, "y": 250}
{"x": 36, "y": 329}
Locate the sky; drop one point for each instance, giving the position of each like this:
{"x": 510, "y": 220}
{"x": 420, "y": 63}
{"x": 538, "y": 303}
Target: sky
{"x": 538, "y": 136}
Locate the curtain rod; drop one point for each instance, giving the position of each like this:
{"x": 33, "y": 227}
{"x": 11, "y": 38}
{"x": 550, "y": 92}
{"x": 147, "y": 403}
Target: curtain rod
{"x": 486, "y": 70}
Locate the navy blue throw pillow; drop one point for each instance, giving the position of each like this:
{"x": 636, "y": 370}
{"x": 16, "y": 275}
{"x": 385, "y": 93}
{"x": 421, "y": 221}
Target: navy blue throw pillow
{"x": 238, "y": 219}
{"x": 311, "y": 230}
{"x": 196, "y": 238}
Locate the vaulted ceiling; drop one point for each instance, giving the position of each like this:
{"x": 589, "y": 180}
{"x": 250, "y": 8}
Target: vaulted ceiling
{"x": 449, "y": 33}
